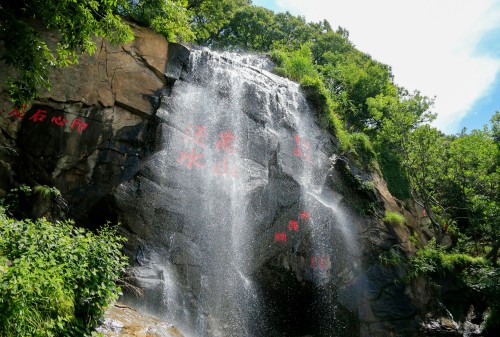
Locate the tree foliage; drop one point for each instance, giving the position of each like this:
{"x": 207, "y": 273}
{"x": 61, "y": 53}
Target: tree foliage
{"x": 169, "y": 18}
{"x": 250, "y": 29}
{"x": 208, "y": 17}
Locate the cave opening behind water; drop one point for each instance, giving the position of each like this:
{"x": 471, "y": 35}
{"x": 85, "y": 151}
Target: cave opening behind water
{"x": 298, "y": 309}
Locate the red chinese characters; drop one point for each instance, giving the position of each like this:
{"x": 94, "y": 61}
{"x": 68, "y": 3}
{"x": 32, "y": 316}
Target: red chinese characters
{"x": 280, "y": 237}
{"x": 320, "y": 262}
{"x": 197, "y": 135}
{"x": 302, "y": 149}
{"x": 38, "y": 116}
{"x": 225, "y": 143}
{"x": 191, "y": 159}
{"x": 226, "y": 146}
{"x": 222, "y": 168}
{"x": 78, "y": 122}
{"x": 293, "y": 225}
{"x": 19, "y": 113}
{"x": 42, "y": 116}
{"x": 305, "y": 216}
{"x": 59, "y": 120}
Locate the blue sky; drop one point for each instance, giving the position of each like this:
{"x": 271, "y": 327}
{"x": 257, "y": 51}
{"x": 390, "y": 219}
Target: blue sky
{"x": 444, "y": 48}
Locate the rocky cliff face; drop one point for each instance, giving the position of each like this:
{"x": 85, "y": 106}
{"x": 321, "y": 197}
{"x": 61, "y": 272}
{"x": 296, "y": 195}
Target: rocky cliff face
{"x": 242, "y": 218}
{"x": 93, "y": 129}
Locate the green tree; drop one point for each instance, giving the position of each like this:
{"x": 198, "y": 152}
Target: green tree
{"x": 473, "y": 170}
{"x": 254, "y": 28}
{"x": 250, "y": 29}
{"x": 495, "y": 127}
{"x": 291, "y": 32}
{"x": 391, "y": 120}
{"x": 356, "y": 78}
{"x": 297, "y": 64}
{"x": 424, "y": 161}
{"x": 208, "y": 17}
{"x": 167, "y": 17}
{"x": 455, "y": 178}
{"x": 330, "y": 47}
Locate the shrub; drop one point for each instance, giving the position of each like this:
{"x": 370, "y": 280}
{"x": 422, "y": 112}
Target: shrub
{"x": 56, "y": 279}
{"x": 414, "y": 238}
{"x": 298, "y": 65}
{"x": 363, "y": 148}
{"x": 318, "y": 96}
{"x": 295, "y": 65}
{"x": 46, "y": 191}
{"x": 393, "y": 218}
{"x": 475, "y": 273}
{"x": 434, "y": 260}
{"x": 16, "y": 197}
{"x": 390, "y": 258}
{"x": 24, "y": 201}
{"x": 394, "y": 173}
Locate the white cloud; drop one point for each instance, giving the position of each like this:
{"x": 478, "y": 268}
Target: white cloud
{"x": 430, "y": 44}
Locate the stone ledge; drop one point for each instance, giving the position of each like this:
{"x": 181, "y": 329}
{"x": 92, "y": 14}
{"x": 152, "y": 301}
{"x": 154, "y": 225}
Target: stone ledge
{"x": 124, "y": 321}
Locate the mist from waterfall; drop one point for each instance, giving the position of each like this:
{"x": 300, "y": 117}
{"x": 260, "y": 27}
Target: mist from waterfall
{"x": 242, "y": 172}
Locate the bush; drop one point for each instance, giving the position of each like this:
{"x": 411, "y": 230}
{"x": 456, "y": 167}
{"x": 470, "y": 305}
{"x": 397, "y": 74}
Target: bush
{"x": 475, "y": 273}
{"x": 390, "y": 257}
{"x": 56, "y": 279}
{"x": 16, "y": 197}
{"x": 297, "y": 64}
{"x": 434, "y": 260}
{"x": 363, "y": 148}
{"x": 25, "y": 201}
{"x": 168, "y": 18}
{"x": 394, "y": 218}
{"x": 46, "y": 191}
{"x": 394, "y": 173}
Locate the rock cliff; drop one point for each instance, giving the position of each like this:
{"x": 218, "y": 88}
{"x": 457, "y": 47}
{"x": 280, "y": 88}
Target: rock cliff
{"x": 96, "y": 125}
{"x": 241, "y": 215}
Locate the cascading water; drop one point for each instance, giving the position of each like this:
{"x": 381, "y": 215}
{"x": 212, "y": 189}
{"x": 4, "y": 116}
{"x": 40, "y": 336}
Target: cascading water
{"x": 248, "y": 236}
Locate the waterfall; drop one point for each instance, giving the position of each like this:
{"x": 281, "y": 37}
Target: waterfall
{"x": 241, "y": 231}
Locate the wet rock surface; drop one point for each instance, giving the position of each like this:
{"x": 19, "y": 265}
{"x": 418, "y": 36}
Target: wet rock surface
{"x": 124, "y": 321}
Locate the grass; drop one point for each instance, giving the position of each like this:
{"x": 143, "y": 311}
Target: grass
{"x": 393, "y": 218}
